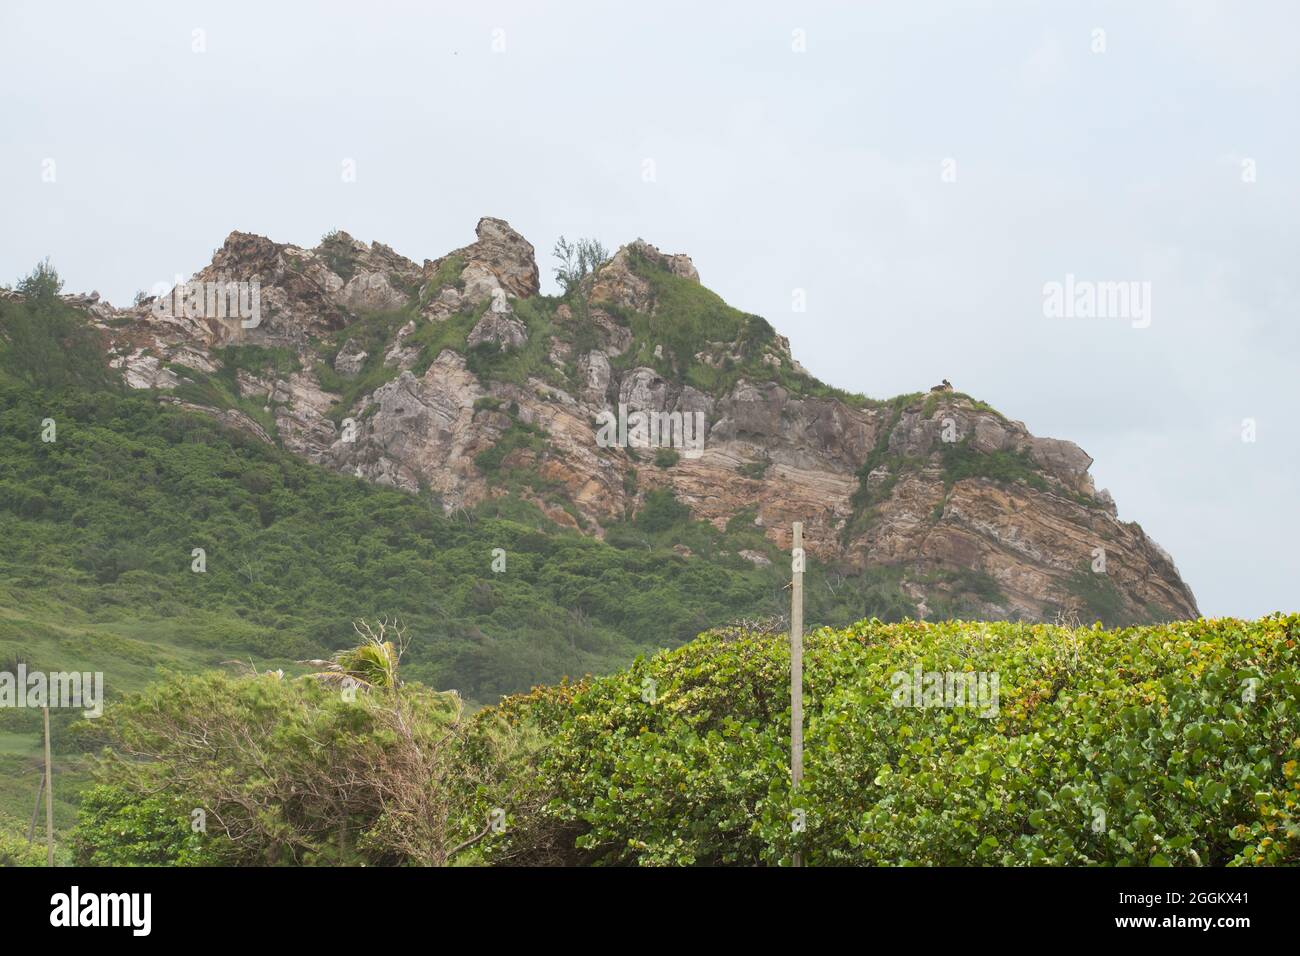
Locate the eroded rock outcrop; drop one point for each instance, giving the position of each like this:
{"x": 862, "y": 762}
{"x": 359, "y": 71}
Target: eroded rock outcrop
{"x": 369, "y": 366}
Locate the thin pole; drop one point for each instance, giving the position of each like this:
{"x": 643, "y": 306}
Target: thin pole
{"x": 796, "y": 667}
{"x": 36, "y": 811}
{"x": 49, "y": 795}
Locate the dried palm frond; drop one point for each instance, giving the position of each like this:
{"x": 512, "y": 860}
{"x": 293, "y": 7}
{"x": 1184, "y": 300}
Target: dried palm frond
{"x": 372, "y": 664}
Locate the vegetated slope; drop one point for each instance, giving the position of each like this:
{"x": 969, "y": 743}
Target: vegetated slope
{"x": 459, "y": 379}
{"x": 99, "y": 527}
{"x": 1175, "y": 744}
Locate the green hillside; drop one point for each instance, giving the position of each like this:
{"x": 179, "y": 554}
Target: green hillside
{"x": 98, "y": 528}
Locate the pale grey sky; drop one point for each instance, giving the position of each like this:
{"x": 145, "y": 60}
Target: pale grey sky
{"x": 776, "y": 170}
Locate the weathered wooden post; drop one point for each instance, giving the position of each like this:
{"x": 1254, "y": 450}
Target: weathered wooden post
{"x": 49, "y": 795}
{"x": 36, "y": 810}
{"x": 796, "y": 668}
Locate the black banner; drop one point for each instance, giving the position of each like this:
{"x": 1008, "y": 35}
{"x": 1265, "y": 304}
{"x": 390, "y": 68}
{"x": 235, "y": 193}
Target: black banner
{"x": 334, "y": 905}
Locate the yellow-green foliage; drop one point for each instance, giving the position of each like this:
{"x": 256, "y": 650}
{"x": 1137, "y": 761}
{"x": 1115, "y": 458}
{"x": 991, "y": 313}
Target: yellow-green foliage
{"x": 1175, "y": 744}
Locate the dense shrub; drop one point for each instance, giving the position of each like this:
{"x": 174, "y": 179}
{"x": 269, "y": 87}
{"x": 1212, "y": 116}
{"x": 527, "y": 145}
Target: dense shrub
{"x": 120, "y": 827}
{"x": 46, "y": 343}
{"x": 16, "y": 851}
{"x": 284, "y": 771}
{"x": 1166, "y": 745}
{"x": 1174, "y": 744}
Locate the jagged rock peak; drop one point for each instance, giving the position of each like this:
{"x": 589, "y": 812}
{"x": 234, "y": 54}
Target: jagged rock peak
{"x": 501, "y": 258}
{"x": 679, "y": 264}
{"x": 243, "y": 253}
{"x": 617, "y": 283}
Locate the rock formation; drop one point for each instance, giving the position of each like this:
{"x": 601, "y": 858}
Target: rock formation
{"x": 405, "y": 374}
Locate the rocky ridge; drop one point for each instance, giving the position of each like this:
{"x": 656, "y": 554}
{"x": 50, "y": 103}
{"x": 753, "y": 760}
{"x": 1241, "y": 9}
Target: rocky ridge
{"x": 455, "y": 377}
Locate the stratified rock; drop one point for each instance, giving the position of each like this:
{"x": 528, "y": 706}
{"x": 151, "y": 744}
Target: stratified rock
{"x": 1062, "y": 458}
{"x": 371, "y": 291}
{"x": 350, "y": 360}
{"x": 498, "y": 325}
{"x": 595, "y": 371}
{"x": 873, "y": 484}
{"x": 500, "y": 259}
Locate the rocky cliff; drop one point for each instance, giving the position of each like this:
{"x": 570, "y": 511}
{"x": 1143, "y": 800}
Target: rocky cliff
{"x": 455, "y": 377}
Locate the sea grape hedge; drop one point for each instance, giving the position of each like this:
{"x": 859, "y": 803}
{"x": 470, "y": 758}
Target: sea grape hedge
{"x": 1163, "y": 745}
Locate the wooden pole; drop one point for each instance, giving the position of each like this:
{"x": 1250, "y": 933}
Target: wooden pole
{"x": 796, "y": 667}
{"x": 36, "y": 811}
{"x": 49, "y": 795}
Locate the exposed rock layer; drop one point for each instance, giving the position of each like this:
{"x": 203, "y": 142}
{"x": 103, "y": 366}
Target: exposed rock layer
{"x": 770, "y": 453}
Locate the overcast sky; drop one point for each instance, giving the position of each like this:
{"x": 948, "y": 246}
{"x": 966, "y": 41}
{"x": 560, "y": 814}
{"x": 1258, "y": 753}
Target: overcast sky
{"x": 919, "y": 170}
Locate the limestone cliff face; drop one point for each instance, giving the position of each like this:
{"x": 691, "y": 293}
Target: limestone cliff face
{"x": 456, "y": 377}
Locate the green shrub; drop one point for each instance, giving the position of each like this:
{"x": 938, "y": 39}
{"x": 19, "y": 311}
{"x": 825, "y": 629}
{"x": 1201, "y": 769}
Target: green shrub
{"x": 340, "y": 258}
{"x": 116, "y": 827}
{"x": 961, "y": 460}
{"x": 1101, "y": 600}
{"x": 1138, "y": 746}
{"x": 660, "y": 511}
{"x": 16, "y": 851}
{"x": 375, "y": 778}
{"x": 666, "y": 457}
{"x": 46, "y": 343}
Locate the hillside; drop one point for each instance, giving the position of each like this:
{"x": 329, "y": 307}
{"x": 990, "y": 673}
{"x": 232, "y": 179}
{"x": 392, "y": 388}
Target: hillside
{"x": 98, "y": 528}
{"x": 473, "y": 400}
{"x": 458, "y": 379}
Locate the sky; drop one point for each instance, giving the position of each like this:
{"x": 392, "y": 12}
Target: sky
{"x": 892, "y": 184}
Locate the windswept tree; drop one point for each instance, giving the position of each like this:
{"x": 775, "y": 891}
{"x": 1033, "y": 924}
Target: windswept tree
{"x": 287, "y": 771}
{"x": 577, "y": 260}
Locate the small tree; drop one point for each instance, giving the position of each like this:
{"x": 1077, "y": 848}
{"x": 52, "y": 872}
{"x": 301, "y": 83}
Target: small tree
{"x": 46, "y": 342}
{"x": 577, "y": 260}
{"x": 287, "y": 772}
{"x": 43, "y": 283}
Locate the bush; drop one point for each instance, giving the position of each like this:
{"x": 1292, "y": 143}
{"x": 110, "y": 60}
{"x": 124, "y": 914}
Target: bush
{"x": 42, "y": 284}
{"x": 961, "y": 460}
{"x": 16, "y": 851}
{"x": 577, "y": 260}
{"x": 661, "y": 511}
{"x": 1173, "y": 744}
{"x": 117, "y": 827}
{"x": 45, "y": 342}
{"x": 666, "y": 457}
{"x": 287, "y": 772}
